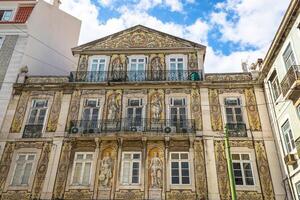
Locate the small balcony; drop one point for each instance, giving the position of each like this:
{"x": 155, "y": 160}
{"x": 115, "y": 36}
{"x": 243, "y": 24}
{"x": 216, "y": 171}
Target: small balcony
{"x": 138, "y": 125}
{"x": 135, "y": 76}
{"x": 33, "y": 131}
{"x": 237, "y": 129}
{"x": 290, "y": 84}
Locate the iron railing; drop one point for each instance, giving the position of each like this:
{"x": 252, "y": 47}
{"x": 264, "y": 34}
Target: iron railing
{"x": 139, "y": 125}
{"x": 33, "y": 131}
{"x": 237, "y": 129}
{"x": 135, "y": 76}
{"x": 292, "y": 75}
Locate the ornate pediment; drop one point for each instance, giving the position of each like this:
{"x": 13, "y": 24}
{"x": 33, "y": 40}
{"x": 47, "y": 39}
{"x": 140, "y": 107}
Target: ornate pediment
{"x": 138, "y": 37}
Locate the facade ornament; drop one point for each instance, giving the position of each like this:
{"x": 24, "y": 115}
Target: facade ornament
{"x": 156, "y": 107}
{"x": 83, "y": 63}
{"x": 156, "y": 171}
{"x": 106, "y": 170}
{"x": 117, "y": 69}
{"x": 113, "y": 109}
{"x": 156, "y": 68}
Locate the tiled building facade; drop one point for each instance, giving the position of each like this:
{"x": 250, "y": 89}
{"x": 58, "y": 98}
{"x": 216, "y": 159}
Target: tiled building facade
{"x": 139, "y": 119}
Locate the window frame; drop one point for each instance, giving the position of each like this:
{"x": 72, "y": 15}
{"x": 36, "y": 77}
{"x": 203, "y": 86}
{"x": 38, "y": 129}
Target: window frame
{"x": 297, "y": 185}
{"x": 141, "y": 105}
{"x": 171, "y": 105}
{"x": 131, "y": 168}
{"x": 130, "y": 71}
{"x": 180, "y": 168}
{"x": 241, "y": 162}
{"x": 7, "y": 10}
{"x": 82, "y": 170}
{"x": 276, "y": 91}
{"x": 233, "y": 107}
{"x": 2, "y": 40}
{"x": 289, "y": 44}
{"x": 177, "y": 56}
{"x": 291, "y": 140}
{"x": 98, "y": 105}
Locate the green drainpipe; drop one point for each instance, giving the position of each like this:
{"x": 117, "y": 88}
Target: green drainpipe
{"x": 229, "y": 165}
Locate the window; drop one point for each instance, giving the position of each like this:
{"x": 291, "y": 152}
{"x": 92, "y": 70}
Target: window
{"x": 298, "y": 189}
{"x": 131, "y": 163}
{"x": 298, "y": 110}
{"x": 5, "y": 15}
{"x": 178, "y": 112}
{"x": 90, "y": 113}
{"x": 288, "y": 136}
{"x": 82, "y": 168}
{"x": 135, "y": 112}
{"x": 180, "y": 168}
{"x": 275, "y": 87}
{"x": 97, "y": 69}
{"x": 136, "y": 70}
{"x": 234, "y": 116}
{"x": 1, "y": 41}
{"x": 176, "y": 68}
{"x": 242, "y": 169}
{"x": 23, "y": 169}
{"x": 289, "y": 57}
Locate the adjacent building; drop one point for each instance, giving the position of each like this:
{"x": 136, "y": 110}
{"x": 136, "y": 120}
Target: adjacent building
{"x": 34, "y": 36}
{"x": 138, "y": 119}
{"x": 280, "y": 73}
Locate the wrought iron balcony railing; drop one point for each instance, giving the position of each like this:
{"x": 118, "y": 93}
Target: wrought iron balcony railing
{"x": 136, "y": 76}
{"x": 33, "y": 131}
{"x": 237, "y": 129}
{"x": 292, "y": 76}
{"x": 132, "y": 125}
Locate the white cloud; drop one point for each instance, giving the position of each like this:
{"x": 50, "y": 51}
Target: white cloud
{"x": 256, "y": 26}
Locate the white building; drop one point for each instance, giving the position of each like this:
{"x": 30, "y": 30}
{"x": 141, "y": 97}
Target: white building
{"x": 35, "y": 34}
{"x": 281, "y": 74}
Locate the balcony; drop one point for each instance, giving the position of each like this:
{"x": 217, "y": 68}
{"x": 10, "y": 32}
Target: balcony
{"x": 290, "y": 84}
{"x": 33, "y": 131}
{"x": 138, "y": 125}
{"x": 237, "y": 129}
{"x": 135, "y": 76}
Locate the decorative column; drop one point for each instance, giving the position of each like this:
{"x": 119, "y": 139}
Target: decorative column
{"x": 97, "y": 166}
{"x": 117, "y": 168}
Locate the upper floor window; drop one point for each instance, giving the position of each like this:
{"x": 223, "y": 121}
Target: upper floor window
{"x": 23, "y": 169}
{"x": 131, "y": 164}
{"x": 276, "y": 89}
{"x": 97, "y": 69}
{"x": 233, "y": 110}
{"x": 91, "y": 113}
{"x": 82, "y": 168}
{"x": 135, "y": 112}
{"x": 5, "y": 15}
{"x": 180, "y": 168}
{"x": 1, "y": 41}
{"x": 289, "y": 57}
{"x": 178, "y": 112}
{"x": 242, "y": 169}
{"x": 288, "y": 136}
{"x": 298, "y": 189}
{"x": 36, "y": 119}
{"x": 177, "y": 67}
{"x": 137, "y": 67}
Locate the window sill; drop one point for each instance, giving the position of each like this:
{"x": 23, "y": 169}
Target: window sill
{"x": 19, "y": 187}
{"x": 181, "y": 186}
{"x": 78, "y": 187}
{"x": 248, "y": 188}
{"x": 130, "y": 186}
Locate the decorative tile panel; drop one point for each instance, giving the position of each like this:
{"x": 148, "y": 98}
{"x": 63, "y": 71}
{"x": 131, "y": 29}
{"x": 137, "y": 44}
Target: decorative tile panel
{"x": 196, "y": 108}
{"x": 5, "y": 163}
{"x": 201, "y": 184}
{"x": 74, "y": 107}
{"x": 215, "y": 110}
{"x": 252, "y": 110}
{"x": 54, "y": 112}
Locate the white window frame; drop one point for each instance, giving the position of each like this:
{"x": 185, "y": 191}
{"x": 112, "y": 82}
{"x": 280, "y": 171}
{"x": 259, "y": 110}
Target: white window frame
{"x": 131, "y": 168}
{"x": 277, "y": 89}
{"x": 33, "y": 101}
{"x": 84, "y": 161}
{"x": 2, "y": 38}
{"x": 91, "y": 58}
{"x": 85, "y": 106}
{"x": 137, "y": 57}
{"x": 233, "y": 109}
{"x": 290, "y": 135}
{"x": 293, "y": 53}
{"x": 12, "y": 14}
{"x": 241, "y": 162}
{"x": 176, "y": 56}
{"x": 297, "y": 185}
{"x": 179, "y": 162}
{"x": 98, "y": 77}
{"x": 171, "y": 105}
{"x": 23, "y": 168}
{"x": 141, "y": 105}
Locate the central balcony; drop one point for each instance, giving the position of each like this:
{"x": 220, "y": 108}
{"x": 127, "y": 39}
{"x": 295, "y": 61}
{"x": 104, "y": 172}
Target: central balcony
{"x": 32, "y": 131}
{"x": 138, "y": 125}
{"x": 237, "y": 129}
{"x": 291, "y": 84}
{"x": 135, "y": 76}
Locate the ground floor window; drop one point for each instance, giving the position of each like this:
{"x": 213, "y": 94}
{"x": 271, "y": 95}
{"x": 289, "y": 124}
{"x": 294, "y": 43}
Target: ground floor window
{"x": 242, "y": 169}
{"x": 82, "y": 168}
{"x": 131, "y": 168}
{"x": 180, "y": 168}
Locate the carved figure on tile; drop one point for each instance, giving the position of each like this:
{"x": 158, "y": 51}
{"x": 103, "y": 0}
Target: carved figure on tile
{"x": 156, "y": 171}
{"x": 106, "y": 170}
{"x": 113, "y": 109}
{"x": 156, "y": 68}
{"x": 117, "y": 69}
{"x": 156, "y": 107}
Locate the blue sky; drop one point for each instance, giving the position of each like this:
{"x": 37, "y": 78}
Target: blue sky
{"x": 234, "y": 31}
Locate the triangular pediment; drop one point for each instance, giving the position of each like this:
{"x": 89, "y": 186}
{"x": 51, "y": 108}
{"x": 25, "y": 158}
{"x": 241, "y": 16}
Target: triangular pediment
{"x": 138, "y": 37}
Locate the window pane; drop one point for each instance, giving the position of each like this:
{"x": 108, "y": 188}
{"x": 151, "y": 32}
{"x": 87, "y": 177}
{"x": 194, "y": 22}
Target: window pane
{"x": 31, "y": 157}
{"x": 249, "y": 181}
{"x": 27, "y": 173}
{"x": 245, "y": 157}
{"x": 235, "y": 156}
{"x": 174, "y": 156}
{"x": 17, "y": 174}
{"x": 32, "y": 116}
{"x": 136, "y": 156}
{"x": 86, "y": 174}
{"x": 185, "y": 180}
{"x": 238, "y": 181}
{"x": 184, "y": 156}
{"x": 175, "y": 180}
{"x": 77, "y": 173}
{"x": 79, "y": 156}
{"x": 41, "y": 116}
{"x": 126, "y": 172}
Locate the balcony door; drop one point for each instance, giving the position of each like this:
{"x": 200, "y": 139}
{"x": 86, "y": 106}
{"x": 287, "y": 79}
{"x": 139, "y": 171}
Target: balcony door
{"x": 177, "y": 68}
{"x": 234, "y": 115}
{"x": 137, "y": 68}
{"x": 135, "y": 113}
{"x": 178, "y": 113}
{"x": 36, "y": 118}
{"x": 90, "y": 115}
{"x": 97, "y": 69}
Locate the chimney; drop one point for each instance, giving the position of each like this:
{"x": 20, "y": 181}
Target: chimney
{"x": 56, "y": 3}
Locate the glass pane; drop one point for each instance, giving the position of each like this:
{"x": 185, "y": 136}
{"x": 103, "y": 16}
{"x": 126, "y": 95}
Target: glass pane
{"x": 236, "y": 165}
{"x": 235, "y": 156}
{"x": 174, "y": 165}
{"x": 140, "y": 67}
{"x": 238, "y": 181}
{"x": 31, "y": 157}
{"x": 175, "y": 172}
{"x": 136, "y": 156}
{"x": 229, "y": 111}
{"x": 21, "y": 158}
{"x": 41, "y": 116}
{"x": 79, "y": 156}
{"x": 185, "y": 180}
{"x": 249, "y": 181}
{"x": 127, "y": 156}
{"x": 175, "y": 180}
{"x": 180, "y": 67}
{"x": 95, "y": 113}
{"x": 27, "y": 173}
{"x": 184, "y": 156}
{"x": 94, "y": 67}
{"x": 185, "y": 172}
{"x": 89, "y": 156}
{"x": 86, "y": 174}
{"x": 174, "y": 156}
{"x": 17, "y": 174}
{"x": 77, "y": 173}
{"x": 185, "y": 165}
{"x": 32, "y": 116}
{"x": 245, "y": 157}
{"x": 126, "y": 172}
